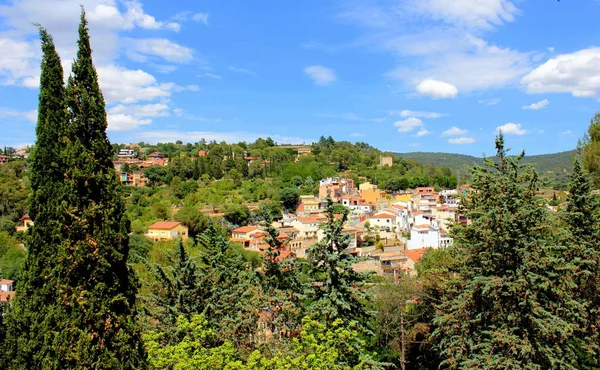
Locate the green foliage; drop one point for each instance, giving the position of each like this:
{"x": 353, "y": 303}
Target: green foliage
{"x": 195, "y": 220}
{"x": 237, "y": 214}
{"x": 11, "y": 263}
{"x": 509, "y": 303}
{"x": 335, "y": 289}
{"x": 590, "y": 145}
{"x": 289, "y": 199}
{"x": 319, "y": 346}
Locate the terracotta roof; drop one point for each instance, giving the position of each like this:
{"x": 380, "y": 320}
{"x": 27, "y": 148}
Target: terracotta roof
{"x": 308, "y": 220}
{"x": 6, "y": 281}
{"x": 164, "y": 225}
{"x": 415, "y": 254}
{"x": 244, "y": 229}
{"x": 283, "y": 235}
{"x": 383, "y": 216}
{"x": 5, "y": 296}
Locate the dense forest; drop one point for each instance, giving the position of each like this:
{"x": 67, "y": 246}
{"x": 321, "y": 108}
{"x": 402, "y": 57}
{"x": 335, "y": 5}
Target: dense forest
{"x": 518, "y": 289}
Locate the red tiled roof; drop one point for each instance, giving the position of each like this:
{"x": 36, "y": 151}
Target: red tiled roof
{"x": 383, "y": 216}
{"x": 6, "y": 281}
{"x": 5, "y": 296}
{"x": 244, "y": 229}
{"x": 308, "y": 220}
{"x": 415, "y": 254}
{"x": 164, "y": 225}
{"x": 422, "y": 226}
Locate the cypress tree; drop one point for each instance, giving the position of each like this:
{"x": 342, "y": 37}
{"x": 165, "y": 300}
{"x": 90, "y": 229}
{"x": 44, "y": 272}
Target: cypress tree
{"x": 92, "y": 315}
{"x": 34, "y": 317}
{"x": 510, "y": 303}
{"x": 583, "y": 233}
{"x": 334, "y": 286}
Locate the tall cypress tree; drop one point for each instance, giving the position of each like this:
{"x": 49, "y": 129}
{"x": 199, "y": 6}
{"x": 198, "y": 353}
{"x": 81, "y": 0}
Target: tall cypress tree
{"x": 33, "y": 318}
{"x": 510, "y": 304}
{"x": 96, "y": 289}
{"x": 583, "y": 233}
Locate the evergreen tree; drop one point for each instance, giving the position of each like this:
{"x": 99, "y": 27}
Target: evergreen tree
{"x": 583, "y": 228}
{"x": 510, "y": 304}
{"x": 34, "y": 317}
{"x": 589, "y": 146}
{"x": 90, "y": 320}
{"x": 334, "y": 287}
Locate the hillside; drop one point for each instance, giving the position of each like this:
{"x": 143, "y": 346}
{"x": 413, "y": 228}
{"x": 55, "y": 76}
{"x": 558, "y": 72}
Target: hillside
{"x": 550, "y": 166}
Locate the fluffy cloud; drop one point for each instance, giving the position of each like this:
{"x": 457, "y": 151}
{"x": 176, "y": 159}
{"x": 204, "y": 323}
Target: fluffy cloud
{"x": 461, "y": 140}
{"x": 421, "y": 114}
{"x": 136, "y": 17}
{"x": 129, "y": 86}
{"x": 422, "y": 132}
{"x": 321, "y": 75}
{"x": 511, "y": 129}
{"x": 140, "y": 49}
{"x": 125, "y": 122}
{"x": 201, "y": 17}
{"x": 437, "y": 89}
{"x": 148, "y": 110}
{"x": 577, "y": 73}
{"x": 538, "y": 105}
{"x": 454, "y": 131}
{"x": 17, "y": 63}
{"x": 568, "y": 132}
{"x": 408, "y": 124}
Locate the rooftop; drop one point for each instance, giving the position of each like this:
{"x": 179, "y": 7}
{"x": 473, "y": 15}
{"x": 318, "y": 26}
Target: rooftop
{"x": 164, "y": 225}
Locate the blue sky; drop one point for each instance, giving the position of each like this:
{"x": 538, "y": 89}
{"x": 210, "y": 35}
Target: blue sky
{"x": 401, "y": 75}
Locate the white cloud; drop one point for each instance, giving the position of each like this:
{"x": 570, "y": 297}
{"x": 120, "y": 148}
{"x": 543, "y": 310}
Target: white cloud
{"x": 321, "y": 75}
{"x": 461, "y": 140}
{"x": 511, "y": 129}
{"x": 129, "y": 86}
{"x": 551, "y": 49}
{"x": 356, "y": 134}
{"x": 454, "y": 131}
{"x": 201, "y": 17}
{"x": 136, "y": 17}
{"x": 538, "y": 105}
{"x": 17, "y": 62}
{"x": 568, "y": 132}
{"x": 420, "y": 114}
{"x": 241, "y": 70}
{"x": 480, "y": 14}
{"x": 30, "y": 116}
{"x": 147, "y": 110}
{"x": 140, "y": 49}
{"x": 230, "y": 137}
{"x": 409, "y": 124}
{"x": 577, "y": 73}
{"x": 492, "y": 101}
{"x": 436, "y": 89}
{"x": 124, "y": 122}
{"x": 423, "y": 132}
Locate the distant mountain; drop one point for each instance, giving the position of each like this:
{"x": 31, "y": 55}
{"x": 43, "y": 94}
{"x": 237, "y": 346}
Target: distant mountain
{"x": 553, "y": 168}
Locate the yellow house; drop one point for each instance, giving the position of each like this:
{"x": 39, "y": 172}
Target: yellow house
{"x": 163, "y": 230}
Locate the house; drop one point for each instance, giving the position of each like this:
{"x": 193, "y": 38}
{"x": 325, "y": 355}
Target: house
{"x": 156, "y": 155}
{"x": 356, "y": 203}
{"x": 244, "y": 234}
{"x": 309, "y": 204}
{"x": 166, "y": 230}
{"x": 24, "y": 224}
{"x": 135, "y": 178}
{"x": 385, "y": 221}
{"x": 427, "y": 236}
{"x": 307, "y": 226}
{"x": 335, "y": 187}
{"x": 202, "y": 153}
{"x": 126, "y": 153}
{"x": 7, "y": 291}
{"x": 371, "y": 194}
{"x": 426, "y": 198}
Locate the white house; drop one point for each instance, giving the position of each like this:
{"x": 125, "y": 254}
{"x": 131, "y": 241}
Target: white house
{"x": 427, "y": 236}
{"x": 385, "y": 221}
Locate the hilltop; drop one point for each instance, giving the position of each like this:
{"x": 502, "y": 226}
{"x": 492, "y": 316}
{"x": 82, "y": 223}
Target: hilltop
{"x": 553, "y": 168}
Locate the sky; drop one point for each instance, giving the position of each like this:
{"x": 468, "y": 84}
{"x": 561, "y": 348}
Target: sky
{"x": 401, "y": 75}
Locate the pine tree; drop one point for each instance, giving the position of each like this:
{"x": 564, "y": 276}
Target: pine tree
{"x": 581, "y": 219}
{"x": 510, "y": 304}
{"x": 33, "y": 317}
{"x": 334, "y": 287}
